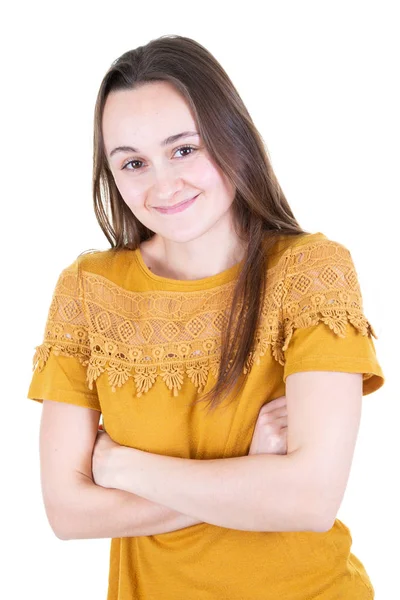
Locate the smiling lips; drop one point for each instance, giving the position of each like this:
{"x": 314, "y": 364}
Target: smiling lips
{"x": 177, "y": 208}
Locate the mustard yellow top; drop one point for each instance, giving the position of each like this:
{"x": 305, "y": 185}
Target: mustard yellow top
{"x": 140, "y": 347}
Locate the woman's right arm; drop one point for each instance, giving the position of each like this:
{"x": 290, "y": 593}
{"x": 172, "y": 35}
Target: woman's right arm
{"x": 75, "y": 506}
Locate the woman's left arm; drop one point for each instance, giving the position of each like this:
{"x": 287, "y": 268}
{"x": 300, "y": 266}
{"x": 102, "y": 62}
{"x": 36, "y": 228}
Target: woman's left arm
{"x": 299, "y": 491}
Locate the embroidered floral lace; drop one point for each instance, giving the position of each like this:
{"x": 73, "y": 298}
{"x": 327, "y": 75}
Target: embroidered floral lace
{"x": 170, "y": 334}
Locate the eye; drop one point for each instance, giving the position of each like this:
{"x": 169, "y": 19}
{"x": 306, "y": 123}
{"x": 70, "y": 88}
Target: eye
{"x": 181, "y": 148}
{"x": 185, "y": 148}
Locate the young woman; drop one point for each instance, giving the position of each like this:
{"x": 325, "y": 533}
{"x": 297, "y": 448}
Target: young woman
{"x": 225, "y": 348}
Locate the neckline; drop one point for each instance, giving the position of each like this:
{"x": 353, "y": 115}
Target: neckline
{"x": 225, "y": 276}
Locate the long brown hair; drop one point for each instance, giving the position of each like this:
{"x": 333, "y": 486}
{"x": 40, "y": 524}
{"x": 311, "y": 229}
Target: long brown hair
{"x": 260, "y": 209}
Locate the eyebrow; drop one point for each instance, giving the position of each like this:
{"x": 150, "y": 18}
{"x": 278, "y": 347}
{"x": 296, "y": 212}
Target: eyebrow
{"x": 169, "y": 140}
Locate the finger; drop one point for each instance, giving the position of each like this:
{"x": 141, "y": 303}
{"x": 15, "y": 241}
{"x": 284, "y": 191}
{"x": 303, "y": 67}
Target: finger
{"x": 273, "y": 414}
{"x": 278, "y": 412}
{"x": 280, "y": 433}
{"x": 277, "y": 423}
{"x": 282, "y": 422}
{"x": 273, "y": 404}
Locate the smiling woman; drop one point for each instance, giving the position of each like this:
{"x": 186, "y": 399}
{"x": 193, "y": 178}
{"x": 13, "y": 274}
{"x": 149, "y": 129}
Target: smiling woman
{"x": 211, "y": 291}
{"x": 158, "y": 180}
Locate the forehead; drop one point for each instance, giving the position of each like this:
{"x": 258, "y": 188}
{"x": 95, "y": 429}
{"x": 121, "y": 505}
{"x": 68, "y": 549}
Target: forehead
{"x": 145, "y": 115}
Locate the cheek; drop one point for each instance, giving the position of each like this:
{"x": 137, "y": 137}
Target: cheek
{"x": 131, "y": 194}
{"x": 217, "y": 186}
{"x": 204, "y": 174}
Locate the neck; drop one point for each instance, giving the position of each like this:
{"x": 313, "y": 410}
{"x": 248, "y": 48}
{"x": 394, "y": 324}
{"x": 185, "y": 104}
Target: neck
{"x": 202, "y": 257}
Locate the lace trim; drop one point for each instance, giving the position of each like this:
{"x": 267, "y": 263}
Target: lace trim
{"x": 171, "y": 335}
{"x": 322, "y": 285}
{"x": 66, "y": 329}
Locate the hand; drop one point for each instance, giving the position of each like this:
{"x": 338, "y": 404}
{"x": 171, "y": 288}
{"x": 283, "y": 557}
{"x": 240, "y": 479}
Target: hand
{"x": 270, "y": 432}
{"x": 102, "y": 464}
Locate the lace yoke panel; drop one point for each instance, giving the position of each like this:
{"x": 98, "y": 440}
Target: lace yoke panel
{"x": 172, "y": 335}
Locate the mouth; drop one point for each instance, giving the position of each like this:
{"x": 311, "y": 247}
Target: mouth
{"x": 177, "y": 207}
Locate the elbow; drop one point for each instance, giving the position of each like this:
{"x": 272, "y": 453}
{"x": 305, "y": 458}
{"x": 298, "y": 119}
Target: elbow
{"x": 314, "y": 521}
{"x": 322, "y": 526}
{"x": 319, "y": 512}
{"x": 64, "y": 513}
{"x": 317, "y": 523}
{"x": 62, "y": 533}
{"x": 321, "y": 500}
{"x": 325, "y": 515}
{"x": 59, "y": 532}
{"x": 58, "y": 522}
{"x": 61, "y": 536}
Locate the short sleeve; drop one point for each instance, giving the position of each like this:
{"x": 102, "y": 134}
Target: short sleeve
{"x": 324, "y": 326}
{"x": 60, "y": 362}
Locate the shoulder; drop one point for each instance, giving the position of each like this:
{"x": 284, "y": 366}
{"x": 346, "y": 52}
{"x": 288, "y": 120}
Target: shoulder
{"x": 319, "y": 280}
{"x": 301, "y": 250}
{"x": 289, "y": 244}
{"x": 95, "y": 265}
{"x": 99, "y": 262}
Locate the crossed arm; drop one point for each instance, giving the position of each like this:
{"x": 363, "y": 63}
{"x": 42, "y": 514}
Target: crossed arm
{"x": 261, "y": 492}
{"x": 299, "y": 491}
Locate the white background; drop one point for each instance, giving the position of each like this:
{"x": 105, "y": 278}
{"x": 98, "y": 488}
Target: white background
{"x": 320, "y": 80}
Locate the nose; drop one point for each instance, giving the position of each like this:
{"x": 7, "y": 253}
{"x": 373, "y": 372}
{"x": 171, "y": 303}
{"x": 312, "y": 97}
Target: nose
{"x": 167, "y": 187}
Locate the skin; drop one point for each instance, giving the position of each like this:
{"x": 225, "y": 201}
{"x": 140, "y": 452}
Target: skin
{"x": 193, "y": 244}
{"x": 269, "y": 437}
{"x": 200, "y": 241}
{"x": 297, "y": 488}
